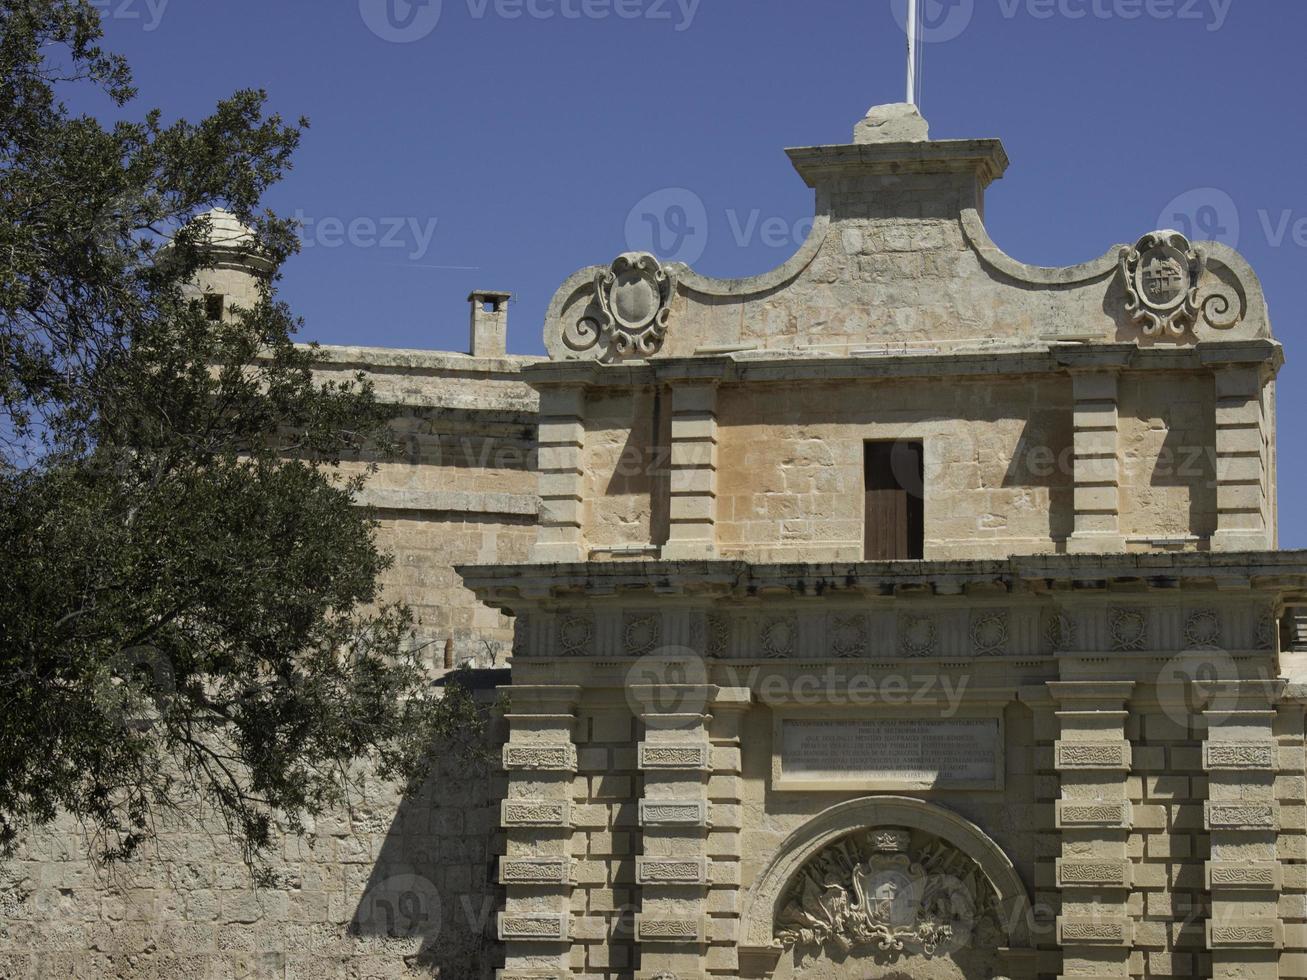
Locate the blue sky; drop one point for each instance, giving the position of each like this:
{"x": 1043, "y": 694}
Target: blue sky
{"x": 502, "y": 144}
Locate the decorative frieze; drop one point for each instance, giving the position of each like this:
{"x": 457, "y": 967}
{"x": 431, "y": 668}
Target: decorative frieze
{"x": 673, "y": 813}
{"x": 661, "y": 755}
{"x": 534, "y": 813}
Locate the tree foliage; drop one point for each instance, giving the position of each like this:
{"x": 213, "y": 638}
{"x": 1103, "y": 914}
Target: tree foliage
{"x": 189, "y": 607}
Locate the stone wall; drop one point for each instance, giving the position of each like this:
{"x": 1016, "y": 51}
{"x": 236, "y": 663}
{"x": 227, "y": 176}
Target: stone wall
{"x": 385, "y": 887}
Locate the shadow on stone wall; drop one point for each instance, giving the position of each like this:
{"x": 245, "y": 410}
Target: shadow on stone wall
{"x": 432, "y": 894}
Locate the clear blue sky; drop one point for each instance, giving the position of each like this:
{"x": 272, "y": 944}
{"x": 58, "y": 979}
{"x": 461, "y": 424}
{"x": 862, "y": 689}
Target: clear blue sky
{"x": 502, "y": 144}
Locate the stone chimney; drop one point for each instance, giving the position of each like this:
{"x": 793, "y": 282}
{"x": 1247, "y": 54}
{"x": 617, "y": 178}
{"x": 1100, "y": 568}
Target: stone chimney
{"x": 489, "y": 334}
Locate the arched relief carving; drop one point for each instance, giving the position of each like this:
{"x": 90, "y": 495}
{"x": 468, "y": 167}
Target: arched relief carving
{"x": 767, "y": 900}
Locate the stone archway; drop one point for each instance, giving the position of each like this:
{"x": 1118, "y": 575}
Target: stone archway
{"x": 887, "y": 887}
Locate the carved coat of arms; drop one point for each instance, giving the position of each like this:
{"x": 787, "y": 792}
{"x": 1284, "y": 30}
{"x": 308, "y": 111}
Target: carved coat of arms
{"x": 1162, "y": 275}
{"x": 876, "y": 892}
{"x": 632, "y": 304}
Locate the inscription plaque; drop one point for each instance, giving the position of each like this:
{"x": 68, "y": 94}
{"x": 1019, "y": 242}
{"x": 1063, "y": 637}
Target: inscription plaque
{"x": 888, "y": 753}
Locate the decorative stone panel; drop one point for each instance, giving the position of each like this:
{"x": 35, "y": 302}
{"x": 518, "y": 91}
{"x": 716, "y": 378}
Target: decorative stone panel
{"x": 1093, "y": 755}
{"x": 1259, "y": 875}
{"x": 540, "y": 758}
{"x": 1239, "y": 815}
{"x": 549, "y": 926}
{"x": 1095, "y": 874}
{"x": 534, "y": 813}
{"x": 671, "y": 871}
{"x": 535, "y": 871}
{"x": 673, "y": 813}
{"x": 661, "y": 929}
{"x": 1248, "y": 935}
{"x": 1234, "y": 756}
{"x": 1073, "y": 815}
{"x": 659, "y": 755}
{"x": 1095, "y": 932}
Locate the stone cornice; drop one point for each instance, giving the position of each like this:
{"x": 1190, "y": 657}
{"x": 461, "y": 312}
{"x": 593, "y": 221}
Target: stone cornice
{"x": 508, "y": 586}
{"x": 1055, "y": 359}
{"x": 986, "y": 158}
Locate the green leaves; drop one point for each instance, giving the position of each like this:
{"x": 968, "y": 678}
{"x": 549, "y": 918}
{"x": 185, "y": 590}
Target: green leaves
{"x": 189, "y": 608}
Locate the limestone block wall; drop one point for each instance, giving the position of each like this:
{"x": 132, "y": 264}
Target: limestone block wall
{"x": 791, "y": 466}
{"x": 1167, "y": 453}
{"x": 385, "y": 888}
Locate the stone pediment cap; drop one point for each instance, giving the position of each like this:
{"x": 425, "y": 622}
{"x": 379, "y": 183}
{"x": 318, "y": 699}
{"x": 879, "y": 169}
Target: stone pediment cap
{"x": 816, "y": 164}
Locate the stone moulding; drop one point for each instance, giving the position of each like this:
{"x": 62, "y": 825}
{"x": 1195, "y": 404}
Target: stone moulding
{"x": 1240, "y": 756}
{"x": 673, "y": 813}
{"x": 533, "y": 813}
{"x": 1256, "y": 875}
{"x": 762, "y": 903}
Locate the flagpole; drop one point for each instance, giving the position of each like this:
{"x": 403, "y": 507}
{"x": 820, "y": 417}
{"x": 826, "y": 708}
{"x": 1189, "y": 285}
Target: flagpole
{"x": 912, "y": 52}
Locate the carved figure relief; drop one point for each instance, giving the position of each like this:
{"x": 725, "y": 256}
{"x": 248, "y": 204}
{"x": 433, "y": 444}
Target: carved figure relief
{"x": 892, "y": 892}
{"x": 629, "y": 315}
